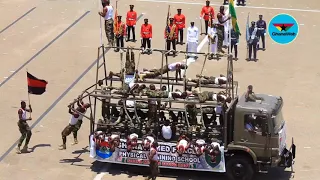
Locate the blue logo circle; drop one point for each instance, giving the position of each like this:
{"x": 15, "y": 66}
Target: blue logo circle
{"x": 283, "y": 28}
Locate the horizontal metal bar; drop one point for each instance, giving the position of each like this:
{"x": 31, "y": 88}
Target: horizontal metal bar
{"x": 158, "y": 50}
{"x": 154, "y": 81}
{"x": 157, "y": 99}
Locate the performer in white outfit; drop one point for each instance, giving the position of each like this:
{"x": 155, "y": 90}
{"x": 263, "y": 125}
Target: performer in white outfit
{"x": 212, "y": 40}
{"x": 182, "y": 144}
{"x": 132, "y": 141}
{"x": 199, "y": 147}
{"x": 192, "y": 39}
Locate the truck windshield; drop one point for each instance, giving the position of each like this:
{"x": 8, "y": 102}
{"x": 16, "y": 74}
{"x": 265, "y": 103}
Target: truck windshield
{"x": 277, "y": 122}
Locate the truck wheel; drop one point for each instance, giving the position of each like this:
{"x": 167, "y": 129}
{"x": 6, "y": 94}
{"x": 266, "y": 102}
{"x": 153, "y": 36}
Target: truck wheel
{"x": 239, "y": 168}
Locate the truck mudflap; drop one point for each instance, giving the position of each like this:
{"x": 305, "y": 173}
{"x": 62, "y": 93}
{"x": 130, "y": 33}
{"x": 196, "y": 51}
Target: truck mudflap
{"x": 288, "y": 156}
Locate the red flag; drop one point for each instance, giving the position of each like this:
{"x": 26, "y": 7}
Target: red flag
{"x": 36, "y": 86}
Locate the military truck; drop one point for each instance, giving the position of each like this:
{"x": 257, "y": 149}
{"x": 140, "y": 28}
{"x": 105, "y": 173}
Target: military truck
{"x": 252, "y": 134}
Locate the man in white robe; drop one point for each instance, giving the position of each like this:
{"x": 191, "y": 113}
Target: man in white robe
{"x": 212, "y": 40}
{"x": 192, "y": 39}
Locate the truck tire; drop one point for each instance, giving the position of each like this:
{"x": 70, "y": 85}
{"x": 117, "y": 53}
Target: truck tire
{"x": 239, "y": 168}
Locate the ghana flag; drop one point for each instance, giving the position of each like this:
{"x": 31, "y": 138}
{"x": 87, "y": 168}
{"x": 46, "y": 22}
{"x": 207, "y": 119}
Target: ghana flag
{"x": 36, "y": 86}
{"x": 283, "y": 27}
{"x": 232, "y": 11}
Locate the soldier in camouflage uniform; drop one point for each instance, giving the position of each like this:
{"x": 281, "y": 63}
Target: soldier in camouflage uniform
{"x": 210, "y": 80}
{"x": 251, "y": 96}
{"x": 222, "y": 19}
{"x": 107, "y": 14}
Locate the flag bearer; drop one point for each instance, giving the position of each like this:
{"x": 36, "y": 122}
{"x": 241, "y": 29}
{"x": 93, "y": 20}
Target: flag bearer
{"x": 207, "y": 12}
{"x": 146, "y": 36}
{"x": 131, "y": 23}
{"x": 24, "y": 127}
{"x": 180, "y": 21}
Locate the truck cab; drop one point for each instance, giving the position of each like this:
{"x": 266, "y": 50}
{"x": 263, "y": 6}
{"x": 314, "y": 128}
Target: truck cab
{"x": 257, "y": 133}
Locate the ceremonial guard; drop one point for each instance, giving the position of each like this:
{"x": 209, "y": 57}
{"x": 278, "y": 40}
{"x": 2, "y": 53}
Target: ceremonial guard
{"x": 253, "y": 40}
{"x": 192, "y": 38}
{"x": 222, "y": 28}
{"x": 107, "y": 13}
{"x": 120, "y": 31}
{"x": 213, "y": 40}
{"x": 170, "y": 34}
{"x": 234, "y": 43}
{"x": 262, "y": 26}
{"x": 146, "y": 36}
{"x": 180, "y": 22}
{"x": 131, "y": 23}
{"x": 207, "y": 13}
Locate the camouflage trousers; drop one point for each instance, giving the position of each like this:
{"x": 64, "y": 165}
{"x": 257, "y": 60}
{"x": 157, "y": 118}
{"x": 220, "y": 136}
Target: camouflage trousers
{"x": 220, "y": 33}
{"x": 25, "y": 133}
{"x": 205, "y": 96}
{"x": 108, "y": 24}
{"x": 192, "y": 112}
{"x": 208, "y": 110}
{"x": 157, "y": 94}
{"x": 157, "y": 72}
{"x": 204, "y": 81}
{"x": 76, "y": 128}
{"x": 68, "y": 130}
{"x": 141, "y": 105}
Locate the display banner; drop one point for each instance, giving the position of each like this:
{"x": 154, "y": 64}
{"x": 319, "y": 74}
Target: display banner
{"x": 168, "y": 158}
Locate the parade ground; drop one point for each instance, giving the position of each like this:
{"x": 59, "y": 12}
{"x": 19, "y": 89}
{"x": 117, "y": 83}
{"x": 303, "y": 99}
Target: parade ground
{"x": 58, "y": 41}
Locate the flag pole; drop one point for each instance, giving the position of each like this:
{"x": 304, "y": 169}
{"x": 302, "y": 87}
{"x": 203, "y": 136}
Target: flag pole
{"x": 29, "y": 102}
{"x": 230, "y": 26}
{"x": 100, "y": 24}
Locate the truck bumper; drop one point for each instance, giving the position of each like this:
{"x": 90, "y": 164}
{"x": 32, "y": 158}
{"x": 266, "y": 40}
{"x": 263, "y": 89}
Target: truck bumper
{"x": 288, "y": 156}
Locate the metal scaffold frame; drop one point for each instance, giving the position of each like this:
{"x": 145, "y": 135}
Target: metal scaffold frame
{"x": 96, "y": 92}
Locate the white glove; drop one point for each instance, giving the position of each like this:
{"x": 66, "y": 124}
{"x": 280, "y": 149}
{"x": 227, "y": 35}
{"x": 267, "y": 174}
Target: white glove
{"x": 264, "y": 34}
{"x": 134, "y": 26}
{"x": 150, "y": 39}
{"x": 200, "y": 17}
{"x": 237, "y": 44}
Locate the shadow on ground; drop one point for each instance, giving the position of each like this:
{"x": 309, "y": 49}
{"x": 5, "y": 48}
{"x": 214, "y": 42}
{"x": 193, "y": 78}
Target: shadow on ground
{"x": 134, "y": 171}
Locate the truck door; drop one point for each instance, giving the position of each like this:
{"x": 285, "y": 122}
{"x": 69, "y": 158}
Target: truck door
{"x": 255, "y": 133}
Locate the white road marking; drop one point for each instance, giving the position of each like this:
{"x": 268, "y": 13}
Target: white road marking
{"x": 307, "y": 147}
{"x": 248, "y": 7}
{"x": 12, "y": 71}
{"x": 102, "y": 172}
{"x": 5, "y": 77}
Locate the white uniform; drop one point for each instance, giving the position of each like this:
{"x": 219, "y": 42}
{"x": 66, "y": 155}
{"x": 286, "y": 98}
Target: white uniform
{"x": 213, "y": 46}
{"x": 73, "y": 120}
{"x": 109, "y": 14}
{"x": 192, "y": 39}
{"x": 173, "y": 66}
{"x": 226, "y": 31}
{"x": 166, "y": 132}
{"x": 24, "y": 114}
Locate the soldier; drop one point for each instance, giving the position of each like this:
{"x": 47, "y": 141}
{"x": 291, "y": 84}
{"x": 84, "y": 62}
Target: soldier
{"x": 131, "y": 23}
{"x": 146, "y": 36}
{"x": 171, "y": 35}
{"x": 234, "y": 43}
{"x": 251, "y": 96}
{"x": 107, "y": 13}
{"x": 157, "y": 72}
{"x": 213, "y": 40}
{"x": 253, "y": 30}
{"x": 192, "y": 38}
{"x": 222, "y": 29}
{"x": 120, "y": 31}
{"x": 24, "y": 127}
{"x": 262, "y": 26}
{"x": 154, "y": 160}
{"x": 207, "y": 13}
{"x": 71, "y": 126}
{"x": 210, "y": 80}
{"x": 180, "y": 21}
{"x": 79, "y": 123}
